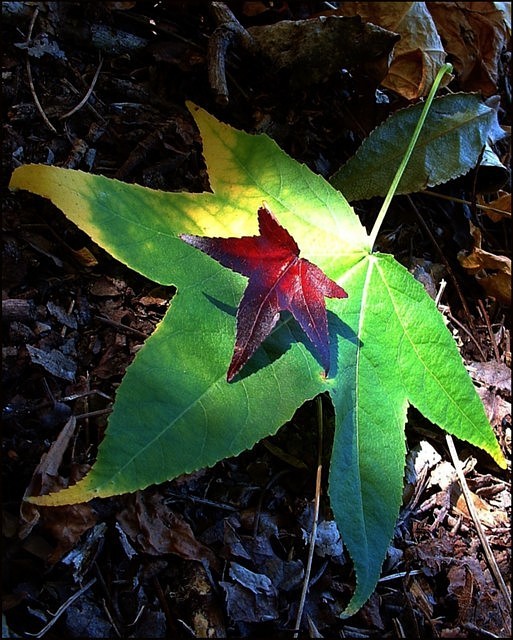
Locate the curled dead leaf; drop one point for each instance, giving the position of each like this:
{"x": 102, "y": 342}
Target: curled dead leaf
{"x": 491, "y": 271}
{"x": 488, "y": 516}
{"x": 155, "y": 529}
{"x": 65, "y": 524}
{"x": 474, "y": 35}
{"x": 501, "y": 204}
{"x": 418, "y": 55}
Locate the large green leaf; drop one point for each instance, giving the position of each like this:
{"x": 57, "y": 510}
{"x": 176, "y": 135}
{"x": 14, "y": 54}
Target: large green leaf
{"x": 174, "y": 410}
{"x": 456, "y": 129}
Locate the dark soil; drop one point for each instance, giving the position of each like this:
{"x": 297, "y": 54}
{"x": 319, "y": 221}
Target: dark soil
{"x": 112, "y": 565}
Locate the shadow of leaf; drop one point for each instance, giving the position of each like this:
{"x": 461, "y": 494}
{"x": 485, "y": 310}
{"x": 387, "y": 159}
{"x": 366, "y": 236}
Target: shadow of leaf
{"x": 285, "y": 333}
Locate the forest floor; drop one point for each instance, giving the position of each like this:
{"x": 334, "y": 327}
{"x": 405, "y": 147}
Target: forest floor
{"x": 74, "y": 318}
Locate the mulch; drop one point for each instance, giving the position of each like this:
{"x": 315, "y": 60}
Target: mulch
{"x": 221, "y": 552}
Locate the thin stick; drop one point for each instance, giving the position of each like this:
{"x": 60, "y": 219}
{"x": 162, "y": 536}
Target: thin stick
{"x": 61, "y": 610}
{"x": 29, "y": 74}
{"x": 121, "y": 327}
{"x": 440, "y": 293}
{"x": 484, "y": 207}
{"x": 450, "y": 273}
{"x": 92, "y": 414}
{"x": 313, "y": 535}
{"x": 490, "y": 330}
{"x": 87, "y": 95}
{"x": 499, "y": 580}
{"x": 465, "y": 330}
{"x": 473, "y": 513}
{"x": 75, "y": 91}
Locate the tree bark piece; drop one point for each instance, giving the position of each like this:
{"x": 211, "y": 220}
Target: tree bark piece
{"x": 229, "y": 31}
{"x": 18, "y": 309}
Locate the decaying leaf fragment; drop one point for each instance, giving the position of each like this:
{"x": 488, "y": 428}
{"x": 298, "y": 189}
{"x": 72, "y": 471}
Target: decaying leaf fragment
{"x": 155, "y": 529}
{"x": 251, "y": 597}
{"x": 68, "y": 523}
{"x": 418, "y": 55}
{"x": 492, "y": 272}
{"x": 499, "y": 208}
{"x": 474, "y": 34}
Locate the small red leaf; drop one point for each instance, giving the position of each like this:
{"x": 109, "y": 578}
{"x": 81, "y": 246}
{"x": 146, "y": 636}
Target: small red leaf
{"x": 279, "y": 280}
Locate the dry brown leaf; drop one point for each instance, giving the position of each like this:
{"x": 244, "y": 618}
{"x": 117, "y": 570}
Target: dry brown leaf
{"x": 474, "y": 35}
{"x": 106, "y": 287}
{"x": 487, "y": 516}
{"x": 155, "y": 529}
{"x": 479, "y": 262}
{"x": 461, "y": 585}
{"x": 84, "y": 257}
{"x": 502, "y": 203}
{"x": 418, "y": 55}
{"x": 491, "y": 374}
{"x": 497, "y": 409}
{"x": 65, "y": 524}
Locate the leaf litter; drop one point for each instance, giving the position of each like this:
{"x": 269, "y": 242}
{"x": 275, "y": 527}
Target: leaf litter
{"x": 231, "y": 485}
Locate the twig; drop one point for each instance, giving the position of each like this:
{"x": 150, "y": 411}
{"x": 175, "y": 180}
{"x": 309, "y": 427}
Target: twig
{"x": 479, "y": 632}
{"x": 74, "y": 90}
{"x": 137, "y": 616}
{"x": 87, "y": 95}
{"x": 29, "y": 74}
{"x": 400, "y": 574}
{"x": 163, "y": 599}
{"x": 85, "y": 394}
{"x": 440, "y": 293}
{"x": 484, "y": 207}
{"x": 499, "y": 580}
{"x": 61, "y": 610}
{"x": 92, "y": 414}
{"x": 313, "y": 535}
{"x": 175, "y": 497}
{"x": 71, "y": 306}
{"x": 465, "y": 330}
{"x": 107, "y": 600}
{"x": 443, "y": 259}
{"x": 473, "y": 513}
{"x": 276, "y": 477}
{"x": 139, "y": 153}
{"x": 490, "y": 331}
{"x": 122, "y": 327}
{"x": 473, "y": 203}
{"x": 111, "y": 618}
